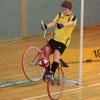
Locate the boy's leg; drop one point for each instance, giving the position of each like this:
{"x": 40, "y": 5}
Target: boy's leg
{"x": 59, "y": 49}
{"x": 48, "y": 52}
{"x": 55, "y": 63}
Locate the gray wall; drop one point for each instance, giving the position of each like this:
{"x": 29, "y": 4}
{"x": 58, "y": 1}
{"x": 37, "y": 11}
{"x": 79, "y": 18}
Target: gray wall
{"x": 92, "y": 12}
{"x": 10, "y": 19}
{"x": 10, "y": 15}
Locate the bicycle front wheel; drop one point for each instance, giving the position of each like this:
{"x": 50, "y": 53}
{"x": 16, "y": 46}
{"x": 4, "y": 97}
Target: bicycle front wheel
{"x": 32, "y": 70}
{"x": 55, "y": 88}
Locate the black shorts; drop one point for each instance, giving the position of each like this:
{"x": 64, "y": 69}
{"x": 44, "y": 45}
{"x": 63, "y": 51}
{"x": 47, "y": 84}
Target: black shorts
{"x": 55, "y": 45}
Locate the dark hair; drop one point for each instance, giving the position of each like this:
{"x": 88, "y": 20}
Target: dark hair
{"x": 67, "y": 4}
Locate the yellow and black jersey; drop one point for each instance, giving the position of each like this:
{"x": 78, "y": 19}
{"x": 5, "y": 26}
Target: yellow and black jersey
{"x": 63, "y": 35}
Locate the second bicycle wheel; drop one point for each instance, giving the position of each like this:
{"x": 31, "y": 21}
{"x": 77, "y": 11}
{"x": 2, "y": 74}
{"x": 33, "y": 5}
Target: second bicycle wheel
{"x": 32, "y": 70}
{"x": 55, "y": 88}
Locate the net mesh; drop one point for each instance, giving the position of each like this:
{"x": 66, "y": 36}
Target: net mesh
{"x": 11, "y": 51}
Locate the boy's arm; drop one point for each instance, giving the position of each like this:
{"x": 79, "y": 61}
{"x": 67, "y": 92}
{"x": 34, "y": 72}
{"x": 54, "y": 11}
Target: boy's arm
{"x": 68, "y": 24}
{"x": 52, "y": 24}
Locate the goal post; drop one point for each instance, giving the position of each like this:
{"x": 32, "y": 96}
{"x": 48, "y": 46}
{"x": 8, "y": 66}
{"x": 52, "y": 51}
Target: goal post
{"x": 74, "y": 53}
{"x": 81, "y": 40}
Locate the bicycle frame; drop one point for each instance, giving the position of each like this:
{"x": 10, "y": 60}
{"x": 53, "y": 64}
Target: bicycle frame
{"x": 43, "y": 50}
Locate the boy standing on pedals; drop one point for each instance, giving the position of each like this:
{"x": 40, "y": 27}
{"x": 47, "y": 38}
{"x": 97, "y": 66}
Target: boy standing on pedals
{"x": 65, "y": 23}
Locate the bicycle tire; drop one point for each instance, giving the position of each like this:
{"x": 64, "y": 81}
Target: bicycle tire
{"x": 55, "y": 91}
{"x": 31, "y": 69}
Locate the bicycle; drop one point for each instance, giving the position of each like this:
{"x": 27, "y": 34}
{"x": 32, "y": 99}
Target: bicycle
{"x": 34, "y": 71}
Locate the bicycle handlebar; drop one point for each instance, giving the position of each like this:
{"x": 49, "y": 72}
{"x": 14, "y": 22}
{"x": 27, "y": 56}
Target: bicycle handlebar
{"x": 45, "y": 31}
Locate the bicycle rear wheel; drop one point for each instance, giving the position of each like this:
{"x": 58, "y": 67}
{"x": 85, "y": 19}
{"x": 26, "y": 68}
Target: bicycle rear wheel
{"x": 55, "y": 88}
{"x": 32, "y": 70}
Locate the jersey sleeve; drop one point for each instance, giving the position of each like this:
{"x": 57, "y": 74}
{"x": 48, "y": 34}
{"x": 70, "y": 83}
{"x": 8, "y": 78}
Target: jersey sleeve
{"x": 56, "y": 19}
{"x": 74, "y": 19}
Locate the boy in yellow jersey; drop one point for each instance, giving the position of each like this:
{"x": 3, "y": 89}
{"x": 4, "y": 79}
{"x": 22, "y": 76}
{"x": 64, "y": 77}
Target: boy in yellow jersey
{"x": 65, "y": 22}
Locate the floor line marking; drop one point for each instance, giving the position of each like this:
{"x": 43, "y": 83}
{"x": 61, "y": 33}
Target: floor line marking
{"x": 80, "y": 87}
{"x": 93, "y": 85}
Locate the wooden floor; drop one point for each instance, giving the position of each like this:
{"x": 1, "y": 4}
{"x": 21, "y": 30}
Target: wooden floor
{"x": 90, "y": 89}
